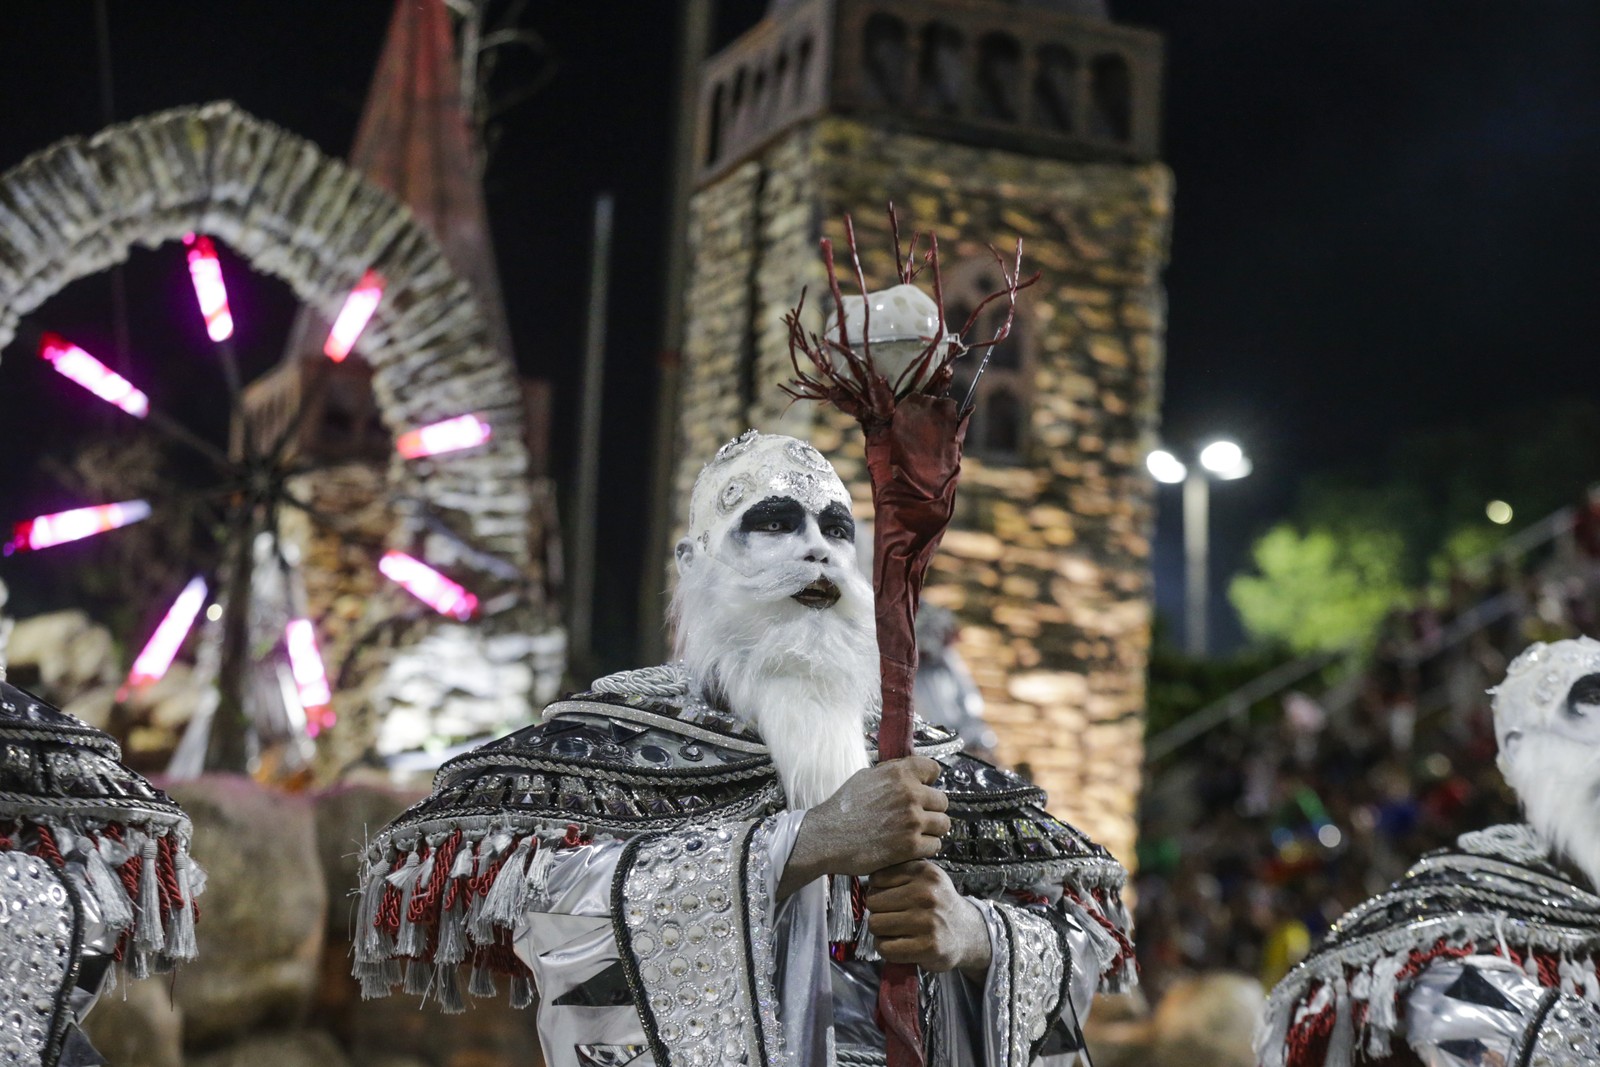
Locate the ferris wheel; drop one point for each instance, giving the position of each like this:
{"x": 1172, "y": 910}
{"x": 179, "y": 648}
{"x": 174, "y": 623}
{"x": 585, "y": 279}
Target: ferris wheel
{"x": 185, "y": 182}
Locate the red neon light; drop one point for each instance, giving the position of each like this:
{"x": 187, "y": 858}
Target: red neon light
{"x": 73, "y": 362}
{"x": 206, "y": 272}
{"x": 428, "y": 585}
{"x": 63, "y": 526}
{"x": 358, "y": 308}
{"x": 310, "y": 676}
{"x": 162, "y": 648}
{"x": 451, "y": 435}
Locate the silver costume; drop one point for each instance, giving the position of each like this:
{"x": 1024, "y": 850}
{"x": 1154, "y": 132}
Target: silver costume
{"x": 622, "y": 860}
{"x": 1481, "y": 954}
{"x": 94, "y": 869}
{"x": 1484, "y": 953}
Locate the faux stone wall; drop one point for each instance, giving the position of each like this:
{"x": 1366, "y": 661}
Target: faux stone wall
{"x": 1047, "y": 562}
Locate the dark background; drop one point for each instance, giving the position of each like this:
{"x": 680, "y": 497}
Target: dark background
{"x": 1384, "y": 221}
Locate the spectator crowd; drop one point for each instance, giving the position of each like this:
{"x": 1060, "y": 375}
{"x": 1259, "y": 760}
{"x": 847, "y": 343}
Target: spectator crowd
{"x": 1260, "y": 833}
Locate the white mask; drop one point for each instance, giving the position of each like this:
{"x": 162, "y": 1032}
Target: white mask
{"x": 773, "y": 616}
{"x": 1547, "y": 725}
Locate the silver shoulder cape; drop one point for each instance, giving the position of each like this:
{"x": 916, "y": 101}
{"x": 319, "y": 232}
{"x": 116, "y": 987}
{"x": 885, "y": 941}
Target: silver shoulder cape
{"x": 1495, "y": 892}
{"x": 443, "y": 884}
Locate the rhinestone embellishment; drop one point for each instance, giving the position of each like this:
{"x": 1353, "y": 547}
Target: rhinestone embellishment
{"x": 36, "y": 921}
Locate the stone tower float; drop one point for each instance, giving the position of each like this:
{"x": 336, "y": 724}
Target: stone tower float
{"x": 983, "y": 121}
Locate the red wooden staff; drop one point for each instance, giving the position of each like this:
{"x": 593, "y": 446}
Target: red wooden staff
{"x": 914, "y": 434}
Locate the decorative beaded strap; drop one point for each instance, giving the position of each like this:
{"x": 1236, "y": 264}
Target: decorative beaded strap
{"x": 38, "y": 958}
{"x": 692, "y": 920}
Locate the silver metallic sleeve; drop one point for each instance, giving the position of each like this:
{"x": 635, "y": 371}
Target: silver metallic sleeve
{"x": 1485, "y": 1009}
{"x": 1030, "y": 978}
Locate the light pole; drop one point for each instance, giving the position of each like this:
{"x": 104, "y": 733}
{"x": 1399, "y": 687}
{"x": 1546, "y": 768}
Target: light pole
{"x": 1222, "y": 460}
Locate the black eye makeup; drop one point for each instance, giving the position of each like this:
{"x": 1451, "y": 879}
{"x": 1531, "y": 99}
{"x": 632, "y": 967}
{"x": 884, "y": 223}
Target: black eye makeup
{"x": 775, "y": 514}
{"x": 837, "y": 523}
{"x": 1584, "y": 696}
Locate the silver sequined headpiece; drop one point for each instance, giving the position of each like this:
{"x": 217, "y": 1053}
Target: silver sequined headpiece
{"x": 754, "y": 466}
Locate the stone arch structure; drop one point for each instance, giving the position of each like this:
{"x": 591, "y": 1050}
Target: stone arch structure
{"x": 79, "y": 206}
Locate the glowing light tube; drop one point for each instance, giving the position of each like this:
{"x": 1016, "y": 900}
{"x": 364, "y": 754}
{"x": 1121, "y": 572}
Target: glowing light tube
{"x": 63, "y": 526}
{"x": 162, "y": 648}
{"x": 310, "y": 676}
{"x": 428, "y": 585}
{"x": 358, "y": 308}
{"x": 72, "y": 362}
{"x": 206, "y": 272}
{"x": 451, "y": 435}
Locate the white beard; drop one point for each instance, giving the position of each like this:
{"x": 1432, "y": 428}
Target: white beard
{"x": 1558, "y": 782}
{"x": 803, "y": 677}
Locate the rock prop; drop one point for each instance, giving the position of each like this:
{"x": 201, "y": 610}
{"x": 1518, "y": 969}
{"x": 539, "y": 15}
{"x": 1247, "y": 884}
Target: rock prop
{"x": 264, "y": 932}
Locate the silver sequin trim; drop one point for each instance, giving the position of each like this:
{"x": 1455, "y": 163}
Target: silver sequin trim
{"x": 1003, "y": 1003}
{"x": 731, "y": 494}
{"x": 1570, "y": 1035}
{"x": 758, "y": 932}
{"x": 1515, "y": 841}
{"x": 736, "y": 447}
{"x": 807, "y": 456}
{"x": 36, "y": 920}
{"x": 813, "y": 491}
{"x": 1529, "y": 656}
{"x": 679, "y": 904}
{"x": 1036, "y": 969}
{"x": 1025, "y": 976}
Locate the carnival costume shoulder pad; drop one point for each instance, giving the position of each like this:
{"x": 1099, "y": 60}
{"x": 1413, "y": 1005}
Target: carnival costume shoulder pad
{"x": 1494, "y": 892}
{"x": 636, "y": 754}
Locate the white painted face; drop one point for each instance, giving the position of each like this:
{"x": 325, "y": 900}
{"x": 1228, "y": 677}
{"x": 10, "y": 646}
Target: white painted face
{"x": 1547, "y": 724}
{"x": 1550, "y": 689}
{"x": 774, "y": 619}
{"x": 773, "y": 510}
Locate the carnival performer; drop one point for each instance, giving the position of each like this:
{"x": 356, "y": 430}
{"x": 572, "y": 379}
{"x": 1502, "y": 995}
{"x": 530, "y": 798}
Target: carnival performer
{"x": 946, "y": 695}
{"x": 702, "y": 863}
{"x": 94, "y": 869}
{"x": 1486, "y": 952}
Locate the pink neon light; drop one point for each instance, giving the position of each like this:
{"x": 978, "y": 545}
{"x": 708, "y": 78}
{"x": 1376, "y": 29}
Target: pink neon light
{"x": 162, "y": 648}
{"x": 47, "y": 530}
{"x": 206, "y": 272}
{"x": 305, "y": 662}
{"x": 451, "y": 435}
{"x": 428, "y": 585}
{"x": 74, "y": 363}
{"x": 358, "y": 308}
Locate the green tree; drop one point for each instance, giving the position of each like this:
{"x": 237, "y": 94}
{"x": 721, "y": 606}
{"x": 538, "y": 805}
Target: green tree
{"x": 1321, "y": 588}
{"x": 1361, "y": 545}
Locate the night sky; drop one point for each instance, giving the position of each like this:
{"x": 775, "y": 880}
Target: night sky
{"x": 1384, "y": 220}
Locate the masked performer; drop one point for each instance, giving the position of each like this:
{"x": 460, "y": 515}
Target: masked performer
{"x": 1484, "y": 953}
{"x": 701, "y": 864}
{"x": 94, "y": 869}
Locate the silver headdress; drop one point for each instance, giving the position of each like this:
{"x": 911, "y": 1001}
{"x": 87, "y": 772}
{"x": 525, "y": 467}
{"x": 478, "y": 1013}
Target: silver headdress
{"x": 756, "y": 465}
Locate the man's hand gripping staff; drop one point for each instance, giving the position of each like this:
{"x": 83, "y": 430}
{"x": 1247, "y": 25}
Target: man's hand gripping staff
{"x": 888, "y": 822}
